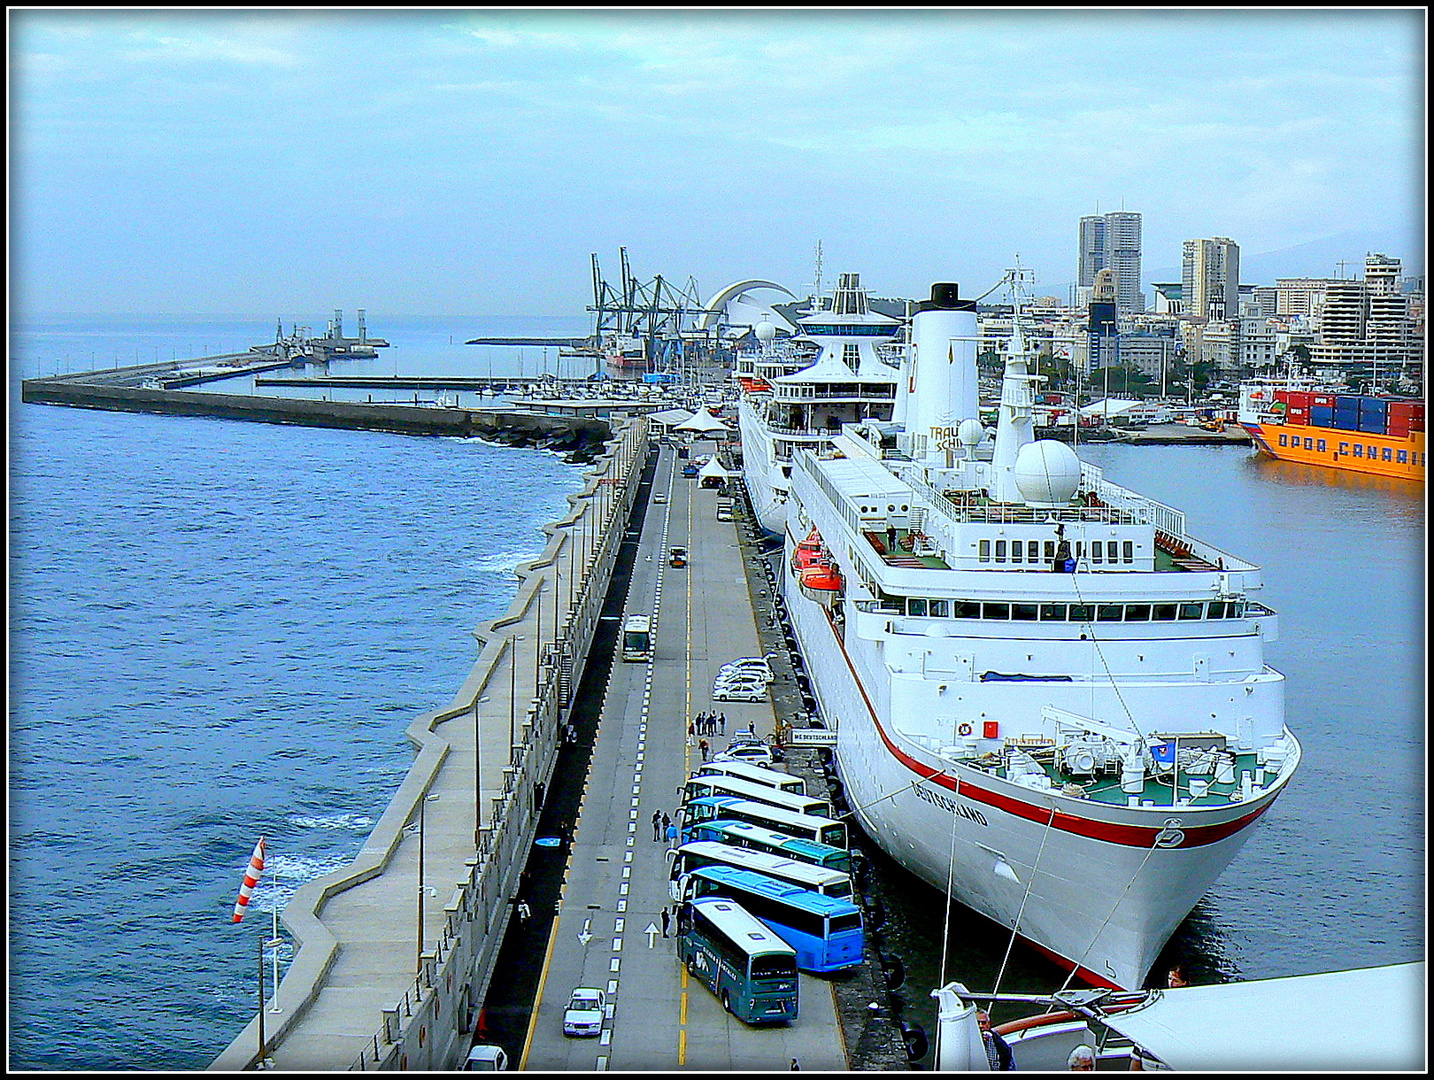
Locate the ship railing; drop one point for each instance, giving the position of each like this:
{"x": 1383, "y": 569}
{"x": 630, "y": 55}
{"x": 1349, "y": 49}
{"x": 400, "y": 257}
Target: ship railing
{"x": 1141, "y": 509}
{"x": 883, "y": 391}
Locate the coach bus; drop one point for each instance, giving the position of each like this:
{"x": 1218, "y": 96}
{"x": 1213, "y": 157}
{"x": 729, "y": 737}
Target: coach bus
{"x": 823, "y": 830}
{"x": 744, "y": 834}
{"x": 701, "y": 786}
{"x": 700, "y": 853}
{"x": 747, "y": 967}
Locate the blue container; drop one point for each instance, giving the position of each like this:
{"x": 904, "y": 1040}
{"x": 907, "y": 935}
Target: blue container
{"x": 1373, "y": 406}
{"x": 1371, "y": 424}
{"x": 1322, "y": 416}
{"x": 1346, "y": 419}
{"x": 1346, "y": 401}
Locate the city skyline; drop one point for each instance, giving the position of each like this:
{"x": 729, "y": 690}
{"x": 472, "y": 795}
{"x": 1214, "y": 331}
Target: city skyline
{"x": 455, "y": 162}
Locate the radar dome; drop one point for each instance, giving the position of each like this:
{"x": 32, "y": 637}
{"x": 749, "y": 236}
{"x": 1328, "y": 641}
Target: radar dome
{"x": 765, "y": 331}
{"x": 970, "y": 432}
{"x": 1047, "y": 472}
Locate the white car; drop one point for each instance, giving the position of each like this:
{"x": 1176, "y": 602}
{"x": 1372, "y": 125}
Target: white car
{"x": 739, "y": 678}
{"x": 751, "y": 754}
{"x": 486, "y": 1058}
{"x": 753, "y": 665}
{"x": 660, "y": 497}
{"x": 750, "y": 690}
{"x": 585, "y": 1012}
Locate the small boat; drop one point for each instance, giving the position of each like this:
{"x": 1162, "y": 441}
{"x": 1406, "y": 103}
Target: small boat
{"x": 820, "y": 582}
{"x": 1365, "y": 1019}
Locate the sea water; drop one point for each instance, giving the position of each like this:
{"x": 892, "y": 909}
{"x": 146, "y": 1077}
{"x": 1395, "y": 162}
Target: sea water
{"x": 221, "y": 630}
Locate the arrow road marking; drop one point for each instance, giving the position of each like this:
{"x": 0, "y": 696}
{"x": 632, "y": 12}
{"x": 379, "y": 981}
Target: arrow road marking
{"x": 585, "y": 936}
{"x": 651, "y": 931}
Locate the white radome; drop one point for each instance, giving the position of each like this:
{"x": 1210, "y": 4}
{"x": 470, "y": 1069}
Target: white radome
{"x": 1047, "y": 472}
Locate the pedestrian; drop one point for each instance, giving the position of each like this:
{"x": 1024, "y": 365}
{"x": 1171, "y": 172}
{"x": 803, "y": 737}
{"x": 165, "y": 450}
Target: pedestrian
{"x": 672, "y": 836}
{"x": 656, "y": 824}
{"x": 704, "y": 748}
{"x": 666, "y": 821}
{"x": 524, "y": 912}
{"x": 795, "y": 1067}
{"x": 1175, "y": 978}
{"x": 1082, "y": 1059}
{"x": 998, "y": 1052}
{"x": 691, "y": 732}
{"x": 666, "y": 920}
{"x": 722, "y": 720}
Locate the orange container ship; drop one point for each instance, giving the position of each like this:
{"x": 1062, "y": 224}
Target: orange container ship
{"x": 1295, "y": 419}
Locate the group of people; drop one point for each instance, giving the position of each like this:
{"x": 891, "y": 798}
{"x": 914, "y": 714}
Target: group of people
{"x": 663, "y": 827}
{"x": 708, "y": 724}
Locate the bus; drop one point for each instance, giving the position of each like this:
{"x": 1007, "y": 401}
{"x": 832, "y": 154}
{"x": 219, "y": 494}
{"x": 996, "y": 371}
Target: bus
{"x": 637, "y": 637}
{"x": 699, "y": 787}
{"x": 744, "y": 834}
{"x": 826, "y": 932}
{"x": 700, "y": 853}
{"x": 747, "y": 967}
{"x": 824, "y": 830}
{"x": 754, "y": 774}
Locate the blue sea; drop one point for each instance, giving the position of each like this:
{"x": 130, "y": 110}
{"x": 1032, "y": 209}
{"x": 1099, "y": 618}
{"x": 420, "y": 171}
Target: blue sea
{"x": 222, "y": 629}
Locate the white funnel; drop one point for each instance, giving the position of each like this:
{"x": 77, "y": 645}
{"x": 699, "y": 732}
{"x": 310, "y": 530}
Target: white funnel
{"x": 941, "y": 387}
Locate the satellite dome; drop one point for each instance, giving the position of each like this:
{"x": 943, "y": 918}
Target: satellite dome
{"x": 765, "y": 331}
{"x": 1047, "y": 472}
{"x": 970, "y": 432}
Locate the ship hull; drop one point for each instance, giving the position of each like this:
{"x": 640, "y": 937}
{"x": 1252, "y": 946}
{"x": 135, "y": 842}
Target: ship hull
{"x": 1098, "y": 887}
{"x": 1399, "y": 456}
{"x": 768, "y": 503}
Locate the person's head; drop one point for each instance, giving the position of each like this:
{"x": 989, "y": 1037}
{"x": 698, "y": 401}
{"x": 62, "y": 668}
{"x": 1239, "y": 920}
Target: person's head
{"x": 983, "y": 1019}
{"x": 1176, "y": 977}
{"x": 1082, "y": 1059}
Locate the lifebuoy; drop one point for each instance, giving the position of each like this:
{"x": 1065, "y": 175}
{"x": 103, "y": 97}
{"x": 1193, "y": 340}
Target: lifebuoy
{"x": 964, "y": 729}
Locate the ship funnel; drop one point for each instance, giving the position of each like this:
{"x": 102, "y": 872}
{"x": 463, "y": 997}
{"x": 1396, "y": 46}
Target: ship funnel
{"x": 940, "y": 386}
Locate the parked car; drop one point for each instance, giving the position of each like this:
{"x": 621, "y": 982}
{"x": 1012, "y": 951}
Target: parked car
{"x": 728, "y": 678}
{"x": 753, "y": 664}
{"x": 486, "y": 1058}
{"x": 752, "y": 755}
{"x": 740, "y": 691}
{"x": 677, "y": 556}
{"x": 660, "y": 497}
{"x": 585, "y": 1012}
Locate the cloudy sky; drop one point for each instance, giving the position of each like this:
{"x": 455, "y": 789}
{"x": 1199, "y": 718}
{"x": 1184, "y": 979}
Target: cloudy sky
{"x": 460, "y": 162}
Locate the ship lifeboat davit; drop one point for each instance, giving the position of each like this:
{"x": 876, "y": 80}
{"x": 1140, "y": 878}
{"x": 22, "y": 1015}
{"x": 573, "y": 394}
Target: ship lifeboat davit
{"x": 821, "y": 583}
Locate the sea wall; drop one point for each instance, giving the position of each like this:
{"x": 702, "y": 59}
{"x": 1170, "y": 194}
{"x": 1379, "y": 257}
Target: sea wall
{"x": 428, "y": 1025}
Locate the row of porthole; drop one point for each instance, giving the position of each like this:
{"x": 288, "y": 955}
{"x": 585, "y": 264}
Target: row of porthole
{"x": 927, "y": 608}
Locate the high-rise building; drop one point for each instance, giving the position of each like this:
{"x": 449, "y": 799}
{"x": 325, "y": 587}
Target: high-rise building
{"x": 1112, "y": 242}
{"x": 1210, "y": 278}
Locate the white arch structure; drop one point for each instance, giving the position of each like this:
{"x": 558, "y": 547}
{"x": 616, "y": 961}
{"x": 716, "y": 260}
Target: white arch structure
{"x": 714, "y": 306}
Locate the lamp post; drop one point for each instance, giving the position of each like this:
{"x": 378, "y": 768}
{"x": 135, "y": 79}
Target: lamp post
{"x": 477, "y": 777}
{"x": 513, "y": 693}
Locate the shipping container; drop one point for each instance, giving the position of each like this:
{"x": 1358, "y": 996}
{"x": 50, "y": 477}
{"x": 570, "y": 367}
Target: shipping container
{"x": 1297, "y": 416}
{"x": 1323, "y": 399}
{"x": 1406, "y": 410}
{"x": 1371, "y": 423}
{"x": 1321, "y": 416}
{"x": 1282, "y": 395}
{"x": 1346, "y": 420}
{"x": 1373, "y": 406}
{"x": 1346, "y": 401}
{"x": 1301, "y": 399}
{"x": 1398, "y": 429}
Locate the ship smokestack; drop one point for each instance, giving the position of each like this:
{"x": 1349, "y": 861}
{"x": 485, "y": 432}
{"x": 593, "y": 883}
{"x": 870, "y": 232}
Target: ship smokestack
{"x": 939, "y": 390}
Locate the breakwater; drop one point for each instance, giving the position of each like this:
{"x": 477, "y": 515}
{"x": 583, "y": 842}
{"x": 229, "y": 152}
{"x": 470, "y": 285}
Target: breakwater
{"x": 369, "y": 988}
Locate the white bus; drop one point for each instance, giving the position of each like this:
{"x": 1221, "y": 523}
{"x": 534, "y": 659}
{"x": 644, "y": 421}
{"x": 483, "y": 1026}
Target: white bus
{"x": 637, "y": 637}
{"x": 694, "y": 856}
{"x": 755, "y": 774}
{"x": 700, "y": 786}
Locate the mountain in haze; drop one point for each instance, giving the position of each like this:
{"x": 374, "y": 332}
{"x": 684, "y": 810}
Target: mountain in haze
{"x": 1316, "y": 259}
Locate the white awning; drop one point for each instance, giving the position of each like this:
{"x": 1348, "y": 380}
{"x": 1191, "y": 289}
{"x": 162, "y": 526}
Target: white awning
{"x": 702, "y": 422}
{"x": 712, "y": 469}
{"x": 1368, "y": 1019}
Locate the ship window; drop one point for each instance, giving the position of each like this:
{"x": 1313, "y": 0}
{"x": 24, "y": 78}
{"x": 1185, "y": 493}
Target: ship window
{"x": 1017, "y": 550}
{"x": 1000, "y": 551}
{"x": 1163, "y": 613}
{"x": 939, "y": 608}
{"x": 1024, "y": 612}
{"x": 1051, "y": 550}
{"x": 1320, "y": 446}
{"x": 1127, "y": 551}
{"x": 1053, "y": 613}
{"x": 1386, "y": 454}
{"x": 1079, "y": 549}
{"x": 1137, "y": 612}
{"x": 966, "y": 609}
{"x": 1109, "y": 612}
{"x": 984, "y": 551}
{"x": 1033, "y": 551}
{"x": 1192, "y": 611}
{"x": 1096, "y": 551}
{"x": 1111, "y": 551}
{"x": 1404, "y": 457}
{"x": 1082, "y": 612}
{"x": 916, "y": 606}
{"x": 1358, "y": 450}
{"x": 1235, "y": 609}
{"x": 995, "y": 611}
{"x": 1217, "y": 609}
{"x": 1373, "y": 452}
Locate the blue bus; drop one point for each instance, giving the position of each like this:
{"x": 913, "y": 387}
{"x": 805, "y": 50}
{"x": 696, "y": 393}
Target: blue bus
{"x": 827, "y": 933}
{"x": 744, "y": 834}
{"x": 747, "y": 967}
{"x": 709, "y": 808}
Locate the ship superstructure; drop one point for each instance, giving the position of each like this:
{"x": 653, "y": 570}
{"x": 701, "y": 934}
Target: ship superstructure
{"x": 797, "y": 393}
{"x": 1049, "y": 698}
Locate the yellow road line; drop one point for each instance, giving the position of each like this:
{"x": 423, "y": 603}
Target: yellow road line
{"x": 538, "y": 998}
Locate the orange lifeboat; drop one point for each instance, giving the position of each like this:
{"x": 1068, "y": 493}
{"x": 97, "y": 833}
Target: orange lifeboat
{"x": 808, "y": 552}
{"x": 820, "y": 582}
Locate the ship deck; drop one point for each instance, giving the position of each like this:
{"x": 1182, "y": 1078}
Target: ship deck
{"x": 908, "y": 553}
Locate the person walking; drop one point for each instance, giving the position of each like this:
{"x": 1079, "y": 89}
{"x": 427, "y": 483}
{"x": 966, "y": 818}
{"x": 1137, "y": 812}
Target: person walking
{"x": 691, "y": 731}
{"x": 704, "y": 748}
{"x": 722, "y": 720}
{"x": 666, "y": 821}
{"x": 672, "y": 836}
{"x": 656, "y": 824}
{"x": 666, "y": 920}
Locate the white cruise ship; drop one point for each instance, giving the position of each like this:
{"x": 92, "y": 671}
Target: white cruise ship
{"x": 841, "y": 366}
{"x": 1049, "y": 698}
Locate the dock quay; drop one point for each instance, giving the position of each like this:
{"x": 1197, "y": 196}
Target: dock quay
{"x": 417, "y": 949}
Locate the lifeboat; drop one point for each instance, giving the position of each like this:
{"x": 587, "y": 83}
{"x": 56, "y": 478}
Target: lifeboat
{"x": 820, "y": 582}
{"x": 808, "y": 552}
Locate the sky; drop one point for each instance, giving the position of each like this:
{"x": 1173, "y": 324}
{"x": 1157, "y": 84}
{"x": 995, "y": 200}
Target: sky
{"x": 457, "y": 162}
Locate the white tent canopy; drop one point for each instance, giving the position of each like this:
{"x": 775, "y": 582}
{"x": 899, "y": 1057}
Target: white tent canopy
{"x": 713, "y": 470}
{"x": 702, "y": 422}
{"x": 669, "y": 417}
